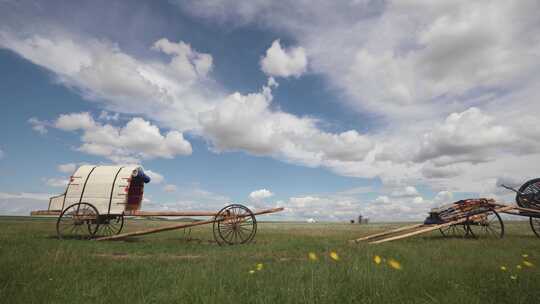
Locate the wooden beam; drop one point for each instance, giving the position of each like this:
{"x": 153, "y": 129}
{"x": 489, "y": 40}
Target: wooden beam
{"x": 371, "y": 236}
{"x": 169, "y": 213}
{"x": 45, "y": 212}
{"x": 418, "y": 231}
{"x": 175, "y": 227}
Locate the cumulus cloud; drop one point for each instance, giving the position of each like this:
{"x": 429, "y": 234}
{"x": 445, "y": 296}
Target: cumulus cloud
{"x": 67, "y": 168}
{"x": 170, "y": 188}
{"x": 137, "y": 139}
{"x": 451, "y": 78}
{"x": 156, "y": 177}
{"x": 284, "y": 62}
{"x": 38, "y": 125}
{"x": 22, "y": 203}
{"x": 56, "y": 182}
{"x": 260, "y": 194}
{"x": 464, "y": 137}
{"x": 247, "y": 122}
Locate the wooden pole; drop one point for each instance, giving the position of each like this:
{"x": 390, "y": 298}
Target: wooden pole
{"x": 174, "y": 227}
{"x": 170, "y": 213}
{"x": 371, "y": 236}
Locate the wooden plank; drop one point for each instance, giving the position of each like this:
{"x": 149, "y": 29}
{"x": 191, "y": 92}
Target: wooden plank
{"x": 418, "y": 231}
{"x": 371, "y": 236}
{"x": 174, "y": 227}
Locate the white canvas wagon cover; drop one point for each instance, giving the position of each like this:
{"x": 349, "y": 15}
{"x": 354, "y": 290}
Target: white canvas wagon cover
{"x": 111, "y": 189}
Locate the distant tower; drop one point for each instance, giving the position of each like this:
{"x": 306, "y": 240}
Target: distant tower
{"x": 360, "y": 219}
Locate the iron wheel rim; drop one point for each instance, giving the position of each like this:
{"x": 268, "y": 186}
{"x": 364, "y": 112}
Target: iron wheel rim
{"x": 530, "y": 191}
{"x": 535, "y": 225}
{"x": 111, "y": 225}
{"x": 491, "y": 227}
{"x": 234, "y": 224}
{"x": 77, "y": 221}
{"x": 454, "y": 231}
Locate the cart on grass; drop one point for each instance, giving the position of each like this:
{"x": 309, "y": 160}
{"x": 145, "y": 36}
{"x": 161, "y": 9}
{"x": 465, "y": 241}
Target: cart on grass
{"x": 472, "y": 217}
{"x": 99, "y": 198}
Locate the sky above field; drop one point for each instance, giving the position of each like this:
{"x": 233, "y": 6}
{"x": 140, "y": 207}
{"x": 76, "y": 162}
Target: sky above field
{"x": 330, "y": 109}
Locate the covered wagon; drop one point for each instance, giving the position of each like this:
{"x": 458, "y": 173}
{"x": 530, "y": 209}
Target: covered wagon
{"x": 104, "y": 192}
{"x": 98, "y": 198}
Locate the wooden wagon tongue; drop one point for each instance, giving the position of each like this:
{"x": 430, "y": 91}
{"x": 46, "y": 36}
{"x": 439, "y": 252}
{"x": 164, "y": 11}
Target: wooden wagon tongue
{"x": 180, "y": 226}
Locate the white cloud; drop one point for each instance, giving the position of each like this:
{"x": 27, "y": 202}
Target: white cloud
{"x": 56, "y": 182}
{"x": 260, "y": 194}
{"x": 464, "y": 74}
{"x": 104, "y": 115}
{"x": 464, "y": 137}
{"x": 444, "y": 197}
{"x": 170, "y": 188}
{"x": 382, "y": 199}
{"x": 284, "y": 62}
{"x": 408, "y": 191}
{"x": 2, "y": 154}
{"x": 22, "y": 203}
{"x": 154, "y": 176}
{"x": 137, "y": 139}
{"x": 246, "y": 122}
{"x": 38, "y": 125}
{"x": 67, "y": 168}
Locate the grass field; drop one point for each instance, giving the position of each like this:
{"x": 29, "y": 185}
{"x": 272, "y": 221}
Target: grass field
{"x": 35, "y": 267}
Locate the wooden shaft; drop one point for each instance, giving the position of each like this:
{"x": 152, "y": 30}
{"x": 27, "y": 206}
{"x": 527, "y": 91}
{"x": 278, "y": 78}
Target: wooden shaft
{"x": 174, "y": 227}
{"x": 45, "y": 212}
{"x": 422, "y": 229}
{"x": 371, "y": 236}
{"x": 169, "y": 213}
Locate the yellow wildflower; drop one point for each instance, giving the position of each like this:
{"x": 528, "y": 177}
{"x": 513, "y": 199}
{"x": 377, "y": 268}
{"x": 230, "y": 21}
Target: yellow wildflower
{"x": 251, "y": 271}
{"x": 334, "y": 256}
{"x": 377, "y": 259}
{"x": 528, "y": 264}
{"x": 260, "y": 266}
{"x": 525, "y": 255}
{"x": 513, "y": 277}
{"x": 312, "y": 256}
{"x": 518, "y": 266}
{"x": 394, "y": 264}
{"x": 503, "y": 268}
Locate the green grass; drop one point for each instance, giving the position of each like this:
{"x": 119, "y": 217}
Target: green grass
{"x": 35, "y": 267}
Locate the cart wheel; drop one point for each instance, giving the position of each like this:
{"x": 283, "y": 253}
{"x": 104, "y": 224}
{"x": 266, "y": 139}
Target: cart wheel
{"x": 530, "y": 197}
{"x": 78, "y": 221}
{"x": 234, "y": 224}
{"x": 456, "y": 231}
{"x": 535, "y": 225}
{"x": 111, "y": 225}
{"x": 488, "y": 224}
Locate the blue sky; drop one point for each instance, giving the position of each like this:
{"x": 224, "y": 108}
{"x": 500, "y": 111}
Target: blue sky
{"x": 327, "y": 109}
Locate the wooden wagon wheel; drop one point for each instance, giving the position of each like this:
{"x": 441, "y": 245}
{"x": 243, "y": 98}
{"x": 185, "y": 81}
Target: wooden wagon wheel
{"x": 487, "y": 224}
{"x": 456, "y": 231}
{"x": 529, "y": 194}
{"x": 111, "y": 224}
{"x": 535, "y": 225}
{"x": 234, "y": 224}
{"x": 79, "y": 221}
